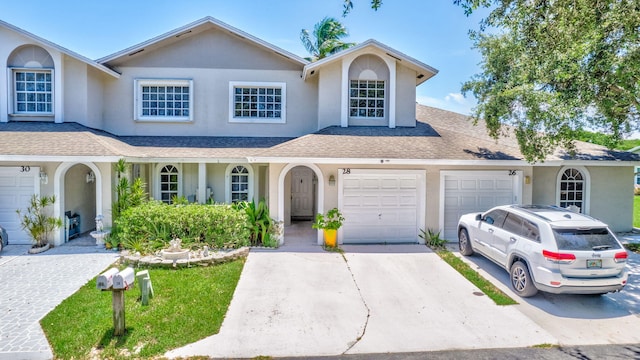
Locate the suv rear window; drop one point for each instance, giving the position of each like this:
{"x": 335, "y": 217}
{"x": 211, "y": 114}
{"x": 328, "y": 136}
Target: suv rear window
{"x": 585, "y": 239}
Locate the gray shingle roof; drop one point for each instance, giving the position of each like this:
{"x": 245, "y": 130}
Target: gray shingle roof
{"x": 438, "y": 135}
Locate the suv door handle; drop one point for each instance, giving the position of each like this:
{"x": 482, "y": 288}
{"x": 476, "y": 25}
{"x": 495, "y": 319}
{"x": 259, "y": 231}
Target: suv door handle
{"x": 512, "y": 239}
{"x": 491, "y": 231}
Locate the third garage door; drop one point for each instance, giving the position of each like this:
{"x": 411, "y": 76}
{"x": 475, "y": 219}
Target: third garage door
{"x": 382, "y": 206}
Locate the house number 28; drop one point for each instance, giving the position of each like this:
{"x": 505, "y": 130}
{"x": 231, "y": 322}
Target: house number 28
{"x": 346, "y": 171}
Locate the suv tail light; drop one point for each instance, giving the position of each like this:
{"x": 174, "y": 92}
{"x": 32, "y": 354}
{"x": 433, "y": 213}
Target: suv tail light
{"x": 621, "y": 257}
{"x": 558, "y": 258}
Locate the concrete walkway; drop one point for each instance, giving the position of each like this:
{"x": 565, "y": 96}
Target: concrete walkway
{"x": 33, "y": 285}
{"x": 375, "y": 299}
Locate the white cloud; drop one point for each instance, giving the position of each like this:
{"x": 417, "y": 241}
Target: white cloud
{"x": 457, "y": 97}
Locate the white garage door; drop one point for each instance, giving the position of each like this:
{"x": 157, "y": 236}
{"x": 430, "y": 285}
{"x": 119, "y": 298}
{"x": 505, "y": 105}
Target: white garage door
{"x": 17, "y": 185}
{"x": 476, "y": 191}
{"x": 381, "y": 206}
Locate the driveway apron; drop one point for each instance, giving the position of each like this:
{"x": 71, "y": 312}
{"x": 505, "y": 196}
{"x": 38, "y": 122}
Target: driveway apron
{"x": 33, "y": 285}
{"x": 374, "y": 299}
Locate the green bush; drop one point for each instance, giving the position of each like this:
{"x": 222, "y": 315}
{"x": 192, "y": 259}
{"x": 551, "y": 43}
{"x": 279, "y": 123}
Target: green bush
{"x": 150, "y": 226}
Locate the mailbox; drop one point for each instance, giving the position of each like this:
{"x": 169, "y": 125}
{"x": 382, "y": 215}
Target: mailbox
{"x": 124, "y": 279}
{"x": 105, "y": 280}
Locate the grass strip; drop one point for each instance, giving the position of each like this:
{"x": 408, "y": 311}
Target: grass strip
{"x": 189, "y": 304}
{"x": 499, "y": 297}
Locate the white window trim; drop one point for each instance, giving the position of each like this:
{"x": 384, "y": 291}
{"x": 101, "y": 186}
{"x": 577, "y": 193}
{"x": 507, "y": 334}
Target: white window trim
{"x": 586, "y": 191}
{"x": 158, "y": 187}
{"x": 227, "y": 181}
{"x": 11, "y": 73}
{"x": 137, "y": 106}
{"x": 283, "y": 111}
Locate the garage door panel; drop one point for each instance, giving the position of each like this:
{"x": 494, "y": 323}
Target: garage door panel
{"x": 380, "y": 207}
{"x": 16, "y": 189}
{"x": 469, "y": 192}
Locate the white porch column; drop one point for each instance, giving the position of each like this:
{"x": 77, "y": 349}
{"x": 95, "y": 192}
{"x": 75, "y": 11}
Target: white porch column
{"x": 202, "y": 183}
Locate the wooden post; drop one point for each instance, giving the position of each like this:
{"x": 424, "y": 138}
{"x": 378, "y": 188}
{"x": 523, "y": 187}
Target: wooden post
{"x": 118, "y": 312}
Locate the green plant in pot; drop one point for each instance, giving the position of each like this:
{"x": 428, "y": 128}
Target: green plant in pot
{"x": 329, "y": 223}
{"x": 36, "y": 221}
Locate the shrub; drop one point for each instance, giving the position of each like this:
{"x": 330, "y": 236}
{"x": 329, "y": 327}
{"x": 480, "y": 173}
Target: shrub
{"x": 150, "y": 226}
{"x": 264, "y": 231}
{"x": 432, "y": 239}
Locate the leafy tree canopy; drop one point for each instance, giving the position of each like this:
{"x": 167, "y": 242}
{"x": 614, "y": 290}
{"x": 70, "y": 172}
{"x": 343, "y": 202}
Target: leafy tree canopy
{"x": 326, "y": 39}
{"x": 552, "y": 67}
{"x": 348, "y": 6}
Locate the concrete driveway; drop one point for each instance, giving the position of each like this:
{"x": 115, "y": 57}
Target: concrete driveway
{"x": 578, "y": 319}
{"x": 374, "y": 299}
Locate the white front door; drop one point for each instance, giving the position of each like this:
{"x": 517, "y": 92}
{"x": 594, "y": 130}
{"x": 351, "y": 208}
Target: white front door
{"x": 381, "y": 206}
{"x": 475, "y": 191}
{"x": 17, "y": 185}
{"x": 302, "y": 193}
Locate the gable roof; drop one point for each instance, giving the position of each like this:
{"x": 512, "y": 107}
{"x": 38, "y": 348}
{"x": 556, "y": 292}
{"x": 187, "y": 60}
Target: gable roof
{"x": 63, "y": 50}
{"x": 196, "y": 26}
{"x": 425, "y": 72}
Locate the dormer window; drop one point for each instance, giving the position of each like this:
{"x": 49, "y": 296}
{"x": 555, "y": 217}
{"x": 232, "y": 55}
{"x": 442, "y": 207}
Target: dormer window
{"x": 366, "y": 98}
{"x": 31, "y": 76}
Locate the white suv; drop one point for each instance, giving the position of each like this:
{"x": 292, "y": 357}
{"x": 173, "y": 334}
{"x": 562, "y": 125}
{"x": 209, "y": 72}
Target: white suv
{"x": 547, "y": 248}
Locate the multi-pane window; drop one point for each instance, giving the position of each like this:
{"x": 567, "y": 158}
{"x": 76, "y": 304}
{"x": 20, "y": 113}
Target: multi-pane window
{"x": 257, "y": 102}
{"x": 168, "y": 183}
{"x": 33, "y": 91}
{"x": 168, "y": 100}
{"x": 572, "y": 187}
{"x": 366, "y": 98}
{"x": 239, "y": 184}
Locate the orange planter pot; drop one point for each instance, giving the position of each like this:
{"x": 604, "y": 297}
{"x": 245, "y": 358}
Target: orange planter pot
{"x": 330, "y": 237}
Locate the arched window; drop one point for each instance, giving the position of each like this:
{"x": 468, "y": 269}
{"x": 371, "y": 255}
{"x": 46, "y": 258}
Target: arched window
{"x": 169, "y": 183}
{"x": 573, "y": 189}
{"x": 368, "y": 79}
{"x": 239, "y": 183}
{"x": 31, "y": 81}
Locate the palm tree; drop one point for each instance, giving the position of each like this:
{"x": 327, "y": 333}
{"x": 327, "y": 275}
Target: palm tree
{"x": 326, "y": 39}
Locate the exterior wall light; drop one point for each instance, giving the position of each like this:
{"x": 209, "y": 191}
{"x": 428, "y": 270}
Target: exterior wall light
{"x": 332, "y": 180}
{"x": 44, "y": 178}
{"x": 91, "y": 177}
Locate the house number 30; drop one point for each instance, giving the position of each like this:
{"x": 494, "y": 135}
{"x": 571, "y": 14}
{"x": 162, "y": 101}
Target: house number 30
{"x": 25, "y": 168}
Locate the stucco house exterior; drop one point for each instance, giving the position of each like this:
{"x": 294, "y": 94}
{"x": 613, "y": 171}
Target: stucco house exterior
{"x": 211, "y": 113}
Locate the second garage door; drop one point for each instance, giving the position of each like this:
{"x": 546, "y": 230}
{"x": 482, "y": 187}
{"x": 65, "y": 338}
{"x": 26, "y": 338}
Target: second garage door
{"x": 475, "y": 191}
{"x": 382, "y": 206}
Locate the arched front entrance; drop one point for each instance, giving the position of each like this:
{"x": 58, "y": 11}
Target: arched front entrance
{"x": 78, "y": 191}
{"x": 300, "y": 195}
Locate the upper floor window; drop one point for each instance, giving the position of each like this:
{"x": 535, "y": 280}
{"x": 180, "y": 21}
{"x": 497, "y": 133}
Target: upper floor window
{"x": 257, "y": 102}
{"x": 169, "y": 183}
{"x": 33, "y": 91}
{"x": 572, "y": 189}
{"x": 163, "y": 100}
{"x": 31, "y": 79}
{"x": 366, "y": 98}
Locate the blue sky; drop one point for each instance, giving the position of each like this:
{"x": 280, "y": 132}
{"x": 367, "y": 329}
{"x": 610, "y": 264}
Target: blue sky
{"x": 432, "y": 31}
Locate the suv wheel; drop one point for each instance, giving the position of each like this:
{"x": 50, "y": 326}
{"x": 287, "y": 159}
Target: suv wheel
{"x": 464, "y": 243}
{"x": 521, "y": 280}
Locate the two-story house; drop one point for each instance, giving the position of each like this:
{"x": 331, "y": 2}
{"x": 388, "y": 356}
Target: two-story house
{"x": 209, "y": 112}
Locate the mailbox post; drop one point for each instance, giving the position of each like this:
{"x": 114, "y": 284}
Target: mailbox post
{"x": 117, "y": 282}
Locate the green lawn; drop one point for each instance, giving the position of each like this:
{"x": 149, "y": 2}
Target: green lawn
{"x": 636, "y": 211}
{"x": 189, "y": 304}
